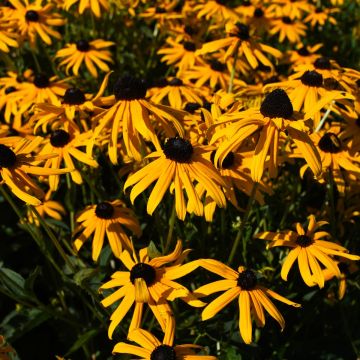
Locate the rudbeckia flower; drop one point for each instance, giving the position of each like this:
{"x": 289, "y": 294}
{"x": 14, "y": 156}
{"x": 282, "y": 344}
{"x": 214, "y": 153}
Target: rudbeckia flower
{"x": 240, "y": 41}
{"x": 16, "y": 164}
{"x": 320, "y": 16}
{"x": 35, "y": 19}
{"x": 151, "y": 282}
{"x": 152, "y": 349}
{"x": 89, "y": 52}
{"x": 291, "y": 8}
{"x": 288, "y": 29}
{"x": 65, "y": 143}
{"x": 215, "y": 10}
{"x": 178, "y": 165}
{"x": 106, "y": 218}
{"x": 95, "y": 6}
{"x": 8, "y": 37}
{"x": 181, "y": 55}
{"x": 310, "y": 250}
{"x": 132, "y": 115}
{"x": 304, "y": 54}
{"x": 275, "y": 116}
{"x": 164, "y": 13}
{"x": 253, "y": 298}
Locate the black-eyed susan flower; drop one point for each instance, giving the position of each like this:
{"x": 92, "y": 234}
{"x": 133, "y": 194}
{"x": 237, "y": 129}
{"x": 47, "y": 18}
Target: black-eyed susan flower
{"x": 8, "y": 37}
{"x": 35, "y": 19}
{"x": 287, "y": 28}
{"x": 91, "y": 53}
{"x": 253, "y": 298}
{"x": 132, "y": 117}
{"x": 293, "y": 9}
{"x": 95, "y": 6}
{"x": 106, "y": 218}
{"x": 241, "y": 42}
{"x": 164, "y": 13}
{"x": 17, "y": 162}
{"x": 148, "y": 282}
{"x": 176, "y": 93}
{"x": 303, "y": 54}
{"x": 216, "y": 10}
{"x": 275, "y": 116}
{"x": 182, "y": 55}
{"x": 311, "y": 251}
{"x": 65, "y": 143}
{"x": 178, "y": 165}
{"x": 320, "y": 16}
{"x": 152, "y": 349}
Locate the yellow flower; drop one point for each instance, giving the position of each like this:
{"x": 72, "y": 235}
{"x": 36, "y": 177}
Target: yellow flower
{"x": 8, "y": 37}
{"x": 215, "y": 10}
{"x": 35, "y": 19}
{"x": 253, "y": 298}
{"x": 106, "y": 218}
{"x": 94, "y": 6}
{"x": 310, "y": 250}
{"x": 320, "y": 16}
{"x": 152, "y": 349}
{"x": 287, "y": 28}
{"x": 291, "y": 8}
{"x": 89, "y": 52}
{"x": 178, "y": 165}
{"x": 149, "y": 281}
{"x": 16, "y": 164}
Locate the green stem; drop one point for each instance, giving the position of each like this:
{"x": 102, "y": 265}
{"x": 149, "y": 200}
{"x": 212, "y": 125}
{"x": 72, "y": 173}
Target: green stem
{"x": 242, "y": 227}
{"x": 233, "y": 70}
{"x": 53, "y": 238}
{"x": 171, "y": 230}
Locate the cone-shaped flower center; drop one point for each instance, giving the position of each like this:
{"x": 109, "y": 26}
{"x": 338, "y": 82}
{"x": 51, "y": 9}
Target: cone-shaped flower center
{"x": 130, "y": 88}
{"x": 312, "y": 78}
{"x": 189, "y": 30}
{"x": 318, "y": 10}
{"x": 160, "y": 10}
{"x": 192, "y": 107}
{"x": 217, "y": 65}
{"x": 163, "y": 352}
{"x": 41, "y": 81}
{"x": 7, "y": 157}
{"x": 32, "y": 16}
{"x": 189, "y": 46}
{"x": 178, "y": 149}
{"x": 247, "y": 280}
{"x": 9, "y": 90}
{"x": 330, "y": 143}
{"x": 222, "y": 2}
{"x": 143, "y": 271}
{"x": 286, "y": 20}
{"x": 322, "y": 63}
{"x": 175, "y": 82}
{"x": 59, "y": 138}
{"x": 258, "y": 13}
{"x": 83, "y": 45}
{"x": 228, "y": 162}
{"x": 277, "y": 104}
{"x": 303, "y": 51}
{"x": 74, "y": 96}
{"x": 304, "y": 240}
{"x": 242, "y": 31}
{"x": 104, "y": 210}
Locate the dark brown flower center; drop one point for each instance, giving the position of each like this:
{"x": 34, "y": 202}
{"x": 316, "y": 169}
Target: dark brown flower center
{"x": 178, "y": 149}
{"x": 130, "y": 88}
{"x": 277, "y": 104}
{"x": 242, "y": 31}
{"x": 83, "y": 45}
{"x": 304, "y": 240}
{"x": 192, "y": 107}
{"x": 143, "y": 271}
{"x": 322, "y": 63}
{"x": 217, "y": 65}
{"x": 7, "y": 157}
{"x": 163, "y": 352}
{"x": 258, "y": 13}
{"x": 189, "y": 46}
{"x": 41, "y": 81}
{"x": 286, "y": 20}
{"x": 104, "y": 210}
{"x": 74, "y": 96}
{"x": 160, "y": 10}
{"x": 312, "y": 78}
{"x": 247, "y": 280}
{"x": 32, "y": 16}
{"x": 190, "y": 30}
{"x": 176, "y": 82}
{"x": 330, "y": 143}
{"x": 59, "y": 138}
{"x": 318, "y": 10}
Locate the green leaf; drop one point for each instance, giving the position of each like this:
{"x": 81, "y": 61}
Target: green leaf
{"x": 153, "y": 251}
{"x": 82, "y": 340}
{"x": 12, "y": 282}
